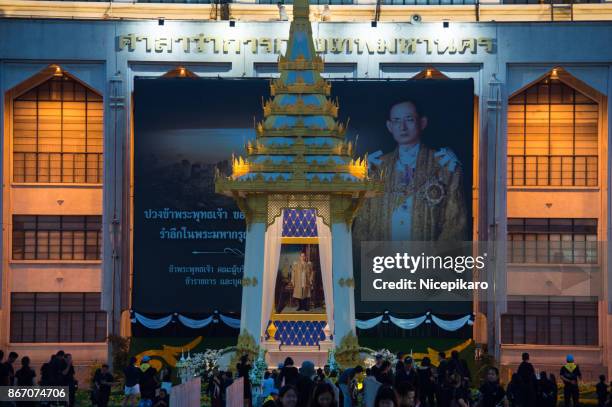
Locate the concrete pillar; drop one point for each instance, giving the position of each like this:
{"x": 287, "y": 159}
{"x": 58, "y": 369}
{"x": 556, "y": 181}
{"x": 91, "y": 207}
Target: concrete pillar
{"x": 343, "y": 281}
{"x": 252, "y": 287}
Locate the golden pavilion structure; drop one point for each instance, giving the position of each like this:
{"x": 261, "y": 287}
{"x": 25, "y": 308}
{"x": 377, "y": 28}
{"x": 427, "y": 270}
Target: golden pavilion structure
{"x": 300, "y": 160}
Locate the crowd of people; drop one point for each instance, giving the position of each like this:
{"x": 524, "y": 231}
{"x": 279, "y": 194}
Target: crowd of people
{"x": 58, "y": 371}
{"x": 404, "y": 384}
{"x": 144, "y": 382}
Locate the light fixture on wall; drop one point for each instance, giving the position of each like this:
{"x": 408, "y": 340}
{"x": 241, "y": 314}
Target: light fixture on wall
{"x": 58, "y": 70}
{"x": 554, "y": 74}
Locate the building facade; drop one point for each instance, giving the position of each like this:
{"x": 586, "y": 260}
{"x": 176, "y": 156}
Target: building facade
{"x": 542, "y": 75}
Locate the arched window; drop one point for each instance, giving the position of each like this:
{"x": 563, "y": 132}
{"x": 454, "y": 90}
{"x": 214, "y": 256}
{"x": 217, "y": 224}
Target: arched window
{"x": 552, "y": 136}
{"x": 58, "y": 133}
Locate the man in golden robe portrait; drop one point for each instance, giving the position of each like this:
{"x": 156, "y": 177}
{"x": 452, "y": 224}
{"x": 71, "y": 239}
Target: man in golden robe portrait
{"x": 302, "y": 278}
{"x": 423, "y": 197}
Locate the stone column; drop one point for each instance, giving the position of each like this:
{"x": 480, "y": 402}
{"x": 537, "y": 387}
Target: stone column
{"x": 344, "y": 282}
{"x": 256, "y": 214}
{"x": 343, "y": 210}
{"x": 252, "y": 282}
{"x": 496, "y": 211}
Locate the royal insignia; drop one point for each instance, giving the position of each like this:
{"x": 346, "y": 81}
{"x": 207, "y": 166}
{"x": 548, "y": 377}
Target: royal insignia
{"x": 432, "y": 192}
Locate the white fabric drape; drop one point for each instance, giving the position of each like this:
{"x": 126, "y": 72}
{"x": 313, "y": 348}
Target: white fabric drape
{"x": 195, "y": 323}
{"x": 273, "y": 237}
{"x": 368, "y": 323}
{"x": 451, "y": 325}
{"x": 152, "y": 323}
{"x": 410, "y": 323}
{"x": 325, "y": 257}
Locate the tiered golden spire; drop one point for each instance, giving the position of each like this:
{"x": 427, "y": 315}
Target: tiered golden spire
{"x": 300, "y": 145}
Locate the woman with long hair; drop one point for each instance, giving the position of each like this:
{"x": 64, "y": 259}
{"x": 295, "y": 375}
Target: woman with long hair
{"x": 289, "y": 374}
{"x": 323, "y": 395}
{"x": 386, "y": 397}
{"x": 288, "y": 396}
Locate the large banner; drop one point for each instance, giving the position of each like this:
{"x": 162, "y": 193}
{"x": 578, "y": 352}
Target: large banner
{"x": 189, "y": 241}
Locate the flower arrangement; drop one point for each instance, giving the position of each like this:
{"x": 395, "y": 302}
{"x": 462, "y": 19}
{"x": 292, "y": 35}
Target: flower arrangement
{"x": 387, "y": 355}
{"x": 347, "y": 354}
{"x": 204, "y": 364}
{"x": 259, "y": 368}
{"x": 246, "y": 346}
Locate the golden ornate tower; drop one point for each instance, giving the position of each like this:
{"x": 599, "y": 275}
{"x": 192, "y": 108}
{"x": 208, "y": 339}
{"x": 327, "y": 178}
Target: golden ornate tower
{"x": 299, "y": 160}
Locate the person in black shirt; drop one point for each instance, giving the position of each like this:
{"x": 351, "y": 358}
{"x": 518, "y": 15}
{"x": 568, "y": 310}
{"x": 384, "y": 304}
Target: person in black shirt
{"x": 289, "y": 374}
{"x": 407, "y": 375}
{"x": 426, "y": 382}
{"x": 514, "y": 391}
{"x": 492, "y": 394}
{"x": 148, "y": 380}
{"x": 459, "y": 394}
{"x": 131, "y": 389}
{"x": 459, "y": 366}
{"x": 4, "y": 373}
{"x": 8, "y": 371}
{"x": 103, "y": 380}
{"x": 602, "y": 391}
{"x": 25, "y": 377}
{"x": 162, "y": 400}
{"x": 69, "y": 380}
{"x": 385, "y": 376}
{"x": 46, "y": 373}
{"x": 570, "y": 374}
{"x": 58, "y": 365}
{"x": 243, "y": 368}
{"x": 442, "y": 368}
{"x": 375, "y": 370}
{"x": 545, "y": 391}
{"x": 527, "y": 375}
{"x": 305, "y": 383}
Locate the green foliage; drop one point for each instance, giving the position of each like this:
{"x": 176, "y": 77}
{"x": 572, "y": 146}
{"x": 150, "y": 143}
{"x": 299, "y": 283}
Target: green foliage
{"x": 481, "y": 366}
{"x": 120, "y": 346}
{"x": 347, "y": 354}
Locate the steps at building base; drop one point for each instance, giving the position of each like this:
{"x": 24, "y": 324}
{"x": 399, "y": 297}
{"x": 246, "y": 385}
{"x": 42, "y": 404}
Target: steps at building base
{"x": 315, "y": 354}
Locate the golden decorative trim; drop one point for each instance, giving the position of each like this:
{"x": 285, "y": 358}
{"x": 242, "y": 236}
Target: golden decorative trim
{"x": 278, "y": 86}
{"x": 344, "y": 148}
{"x": 348, "y": 282}
{"x": 268, "y": 166}
{"x": 318, "y": 202}
{"x": 337, "y": 132}
{"x": 259, "y": 185}
{"x": 300, "y": 108}
{"x": 345, "y": 207}
{"x": 299, "y": 240}
{"x": 248, "y": 282}
{"x": 299, "y": 129}
{"x": 298, "y": 317}
{"x": 300, "y": 64}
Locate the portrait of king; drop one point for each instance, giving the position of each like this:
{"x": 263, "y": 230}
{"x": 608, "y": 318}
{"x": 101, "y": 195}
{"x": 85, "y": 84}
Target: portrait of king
{"x": 423, "y": 197}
